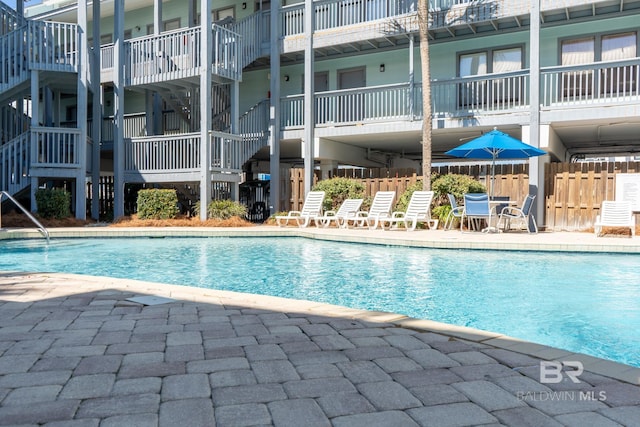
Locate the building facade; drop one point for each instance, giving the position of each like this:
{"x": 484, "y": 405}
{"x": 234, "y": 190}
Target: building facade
{"x": 319, "y": 84}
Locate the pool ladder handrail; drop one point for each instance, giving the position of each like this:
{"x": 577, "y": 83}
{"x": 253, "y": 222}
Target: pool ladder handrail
{"x": 41, "y": 228}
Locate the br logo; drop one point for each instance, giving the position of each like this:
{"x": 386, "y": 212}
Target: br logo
{"x": 551, "y": 372}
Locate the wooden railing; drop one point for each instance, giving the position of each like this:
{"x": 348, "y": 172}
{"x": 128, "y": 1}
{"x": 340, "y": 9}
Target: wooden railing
{"x": 252, "y": 33}
{"x": 14, "y": 164}
{"x": 9, "y": 19}
{"x": 166, "y": 153}
{"x": 55, "y": 147}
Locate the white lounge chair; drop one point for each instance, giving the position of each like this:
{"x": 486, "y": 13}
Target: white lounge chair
{"x": 311, "y": 209}
{"x": 348, "y": 209}
{"x": 380, "y": 208}
{"x": 615, "y": 214}
{"x": 418, "y": 210}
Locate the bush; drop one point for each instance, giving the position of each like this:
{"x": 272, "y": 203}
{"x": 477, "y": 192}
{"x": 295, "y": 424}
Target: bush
{"x": 225, "y": 209}
{"x": 53, "y": 203}
{"x": 157, "y": 204}
{"x": 337, "y": 190}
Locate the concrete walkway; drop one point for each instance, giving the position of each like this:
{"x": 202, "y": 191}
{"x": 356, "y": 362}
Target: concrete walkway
{"x": 75, "y": 351}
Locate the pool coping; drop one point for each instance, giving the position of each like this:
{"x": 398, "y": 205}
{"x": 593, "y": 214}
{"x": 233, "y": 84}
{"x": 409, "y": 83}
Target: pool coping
{"x": 432, "y": 239}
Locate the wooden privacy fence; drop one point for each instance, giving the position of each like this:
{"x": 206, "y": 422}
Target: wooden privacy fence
{"x": 573, "y": 191}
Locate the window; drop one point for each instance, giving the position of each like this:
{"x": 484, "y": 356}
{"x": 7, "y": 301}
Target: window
{"x": 611, "y": 80}
{"x": 481, "y": 92}
{"x": 106, "y": 39}
{"x": 171, "y": 24}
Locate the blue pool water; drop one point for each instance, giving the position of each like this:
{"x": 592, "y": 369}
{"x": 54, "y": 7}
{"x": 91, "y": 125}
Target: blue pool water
{"x": 588, "y": 303}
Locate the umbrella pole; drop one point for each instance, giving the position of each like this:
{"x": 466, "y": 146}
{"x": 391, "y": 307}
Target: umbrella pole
{"x": 493, "y": 175}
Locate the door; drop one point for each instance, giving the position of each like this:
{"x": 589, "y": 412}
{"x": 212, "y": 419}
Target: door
{"x": 351, "y": 103}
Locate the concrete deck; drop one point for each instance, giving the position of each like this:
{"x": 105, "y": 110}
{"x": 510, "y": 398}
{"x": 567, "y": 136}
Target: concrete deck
{"x": 75, "y": 351}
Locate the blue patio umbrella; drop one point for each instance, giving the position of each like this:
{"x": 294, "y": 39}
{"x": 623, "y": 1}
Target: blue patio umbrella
{"x": 495, "y": 145}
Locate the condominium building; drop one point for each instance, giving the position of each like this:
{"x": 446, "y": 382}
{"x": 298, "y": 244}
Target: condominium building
{"x": 114, "y": 92}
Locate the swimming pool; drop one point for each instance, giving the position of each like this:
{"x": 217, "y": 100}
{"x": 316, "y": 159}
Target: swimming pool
{"x": 588, "y": 303}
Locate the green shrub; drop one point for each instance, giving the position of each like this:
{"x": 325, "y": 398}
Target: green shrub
{"x": 225, "y": 209}
{"x": 337, "y": 190}
{"x": 53, "y": 203}
{"x": 157, "y": 204}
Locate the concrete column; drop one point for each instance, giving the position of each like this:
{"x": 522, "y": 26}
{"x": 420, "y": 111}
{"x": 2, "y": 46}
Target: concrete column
{"x": 309, "y": 104}
{"x": 536, "y": 165}
{"x": 118, "y": 109}
{"x": 274, "y": 111}
{"x": 326, "y": 167}
{"x": 206, "y": 47}
{"x": 97, "y": 114}
{"x": 411, "y": 78}
{"x": 82, "y": 97}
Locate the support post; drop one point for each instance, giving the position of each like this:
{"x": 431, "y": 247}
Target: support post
{"x": 35, "y": 117}
{"x": 274, "y": 111}
{"x": 412, "y": 84}
{"x": 96, "y": 124}
{"x": 536, "y": 165}
{"x": 206, "y": 49}
{"x": 118, "y": 112}
{"x": 309, "y": 104}
{"x": 82, "y": 105}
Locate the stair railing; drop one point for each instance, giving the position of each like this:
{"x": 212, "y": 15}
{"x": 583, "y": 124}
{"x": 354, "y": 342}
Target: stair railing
{"x": 41, "y": 228}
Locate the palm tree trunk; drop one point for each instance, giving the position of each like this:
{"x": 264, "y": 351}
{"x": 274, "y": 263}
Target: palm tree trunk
{"x": 423, "y": 28}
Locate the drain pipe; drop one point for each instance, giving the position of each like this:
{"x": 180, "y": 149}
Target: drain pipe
{"x": 41, "y": 228}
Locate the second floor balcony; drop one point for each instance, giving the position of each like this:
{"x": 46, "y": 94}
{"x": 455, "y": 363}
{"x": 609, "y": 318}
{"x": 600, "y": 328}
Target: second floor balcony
{"x": 563, "y": 90}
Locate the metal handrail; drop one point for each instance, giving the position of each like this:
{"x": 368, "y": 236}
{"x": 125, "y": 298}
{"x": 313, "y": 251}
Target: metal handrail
{"x": 41, "y": 228}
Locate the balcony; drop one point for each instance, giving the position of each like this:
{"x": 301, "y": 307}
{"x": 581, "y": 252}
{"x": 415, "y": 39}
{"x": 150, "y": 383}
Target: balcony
{"x": 563, "y": 88}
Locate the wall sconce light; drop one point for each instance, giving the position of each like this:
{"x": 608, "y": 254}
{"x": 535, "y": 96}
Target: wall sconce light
{"x": 244, "y": 5}
{"x": 137, "y": 28}
{"x": 382, "y": 68}
{"x": 286, "y": 77}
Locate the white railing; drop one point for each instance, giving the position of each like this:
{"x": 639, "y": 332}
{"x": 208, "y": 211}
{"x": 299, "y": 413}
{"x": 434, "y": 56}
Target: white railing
{"x": 255, "y": 122}
{"x": 55, "y": 147}
{"x": 135, "y": 125}
{"x": 251, "y": 31}
{"x": 13, "y": 64}
{"x": 176, "y": 55}
{"x": 591, "y": 84}
{"x": 371, "y": 104}
{"x": 338, "y": 13}
{"x": 168, "y": 56}
{"x": 106, "y": 57}
{"x": 53, "y": 46}
{"x": 14, "y": 164}
{"x": 228, "y": 152}
{"x": 173, "y": 153}
{"x": 487, "y": 93}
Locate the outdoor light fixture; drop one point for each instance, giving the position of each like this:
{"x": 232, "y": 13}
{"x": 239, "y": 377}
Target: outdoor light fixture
{"x": 382, "y": 68}
{"x": 244, "y": 5}
{"x": 286, "y": 78}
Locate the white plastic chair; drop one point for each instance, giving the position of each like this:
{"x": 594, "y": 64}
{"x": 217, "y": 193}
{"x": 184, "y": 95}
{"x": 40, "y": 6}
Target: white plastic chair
{"x": 418, "y": 210}
{"x": 311, "y": 209}
{"x": 380, "y": 208}
{"x": 348, "y": 209}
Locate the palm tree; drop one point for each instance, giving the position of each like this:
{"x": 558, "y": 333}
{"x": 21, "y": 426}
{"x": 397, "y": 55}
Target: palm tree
{"x": 423, "y": 29}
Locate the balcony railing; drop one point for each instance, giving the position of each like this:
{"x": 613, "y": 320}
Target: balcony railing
{"x": 53, "y": 46}
{"x": 594, "y": 84}
{"x": 484, "y": 95}
{"x": 55, "y": 147}
{"x": 176, "y": 55}
{"x": 163, "y": 154}
{"x": 13, "y": 63}
{"x": 338, "y": 13}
